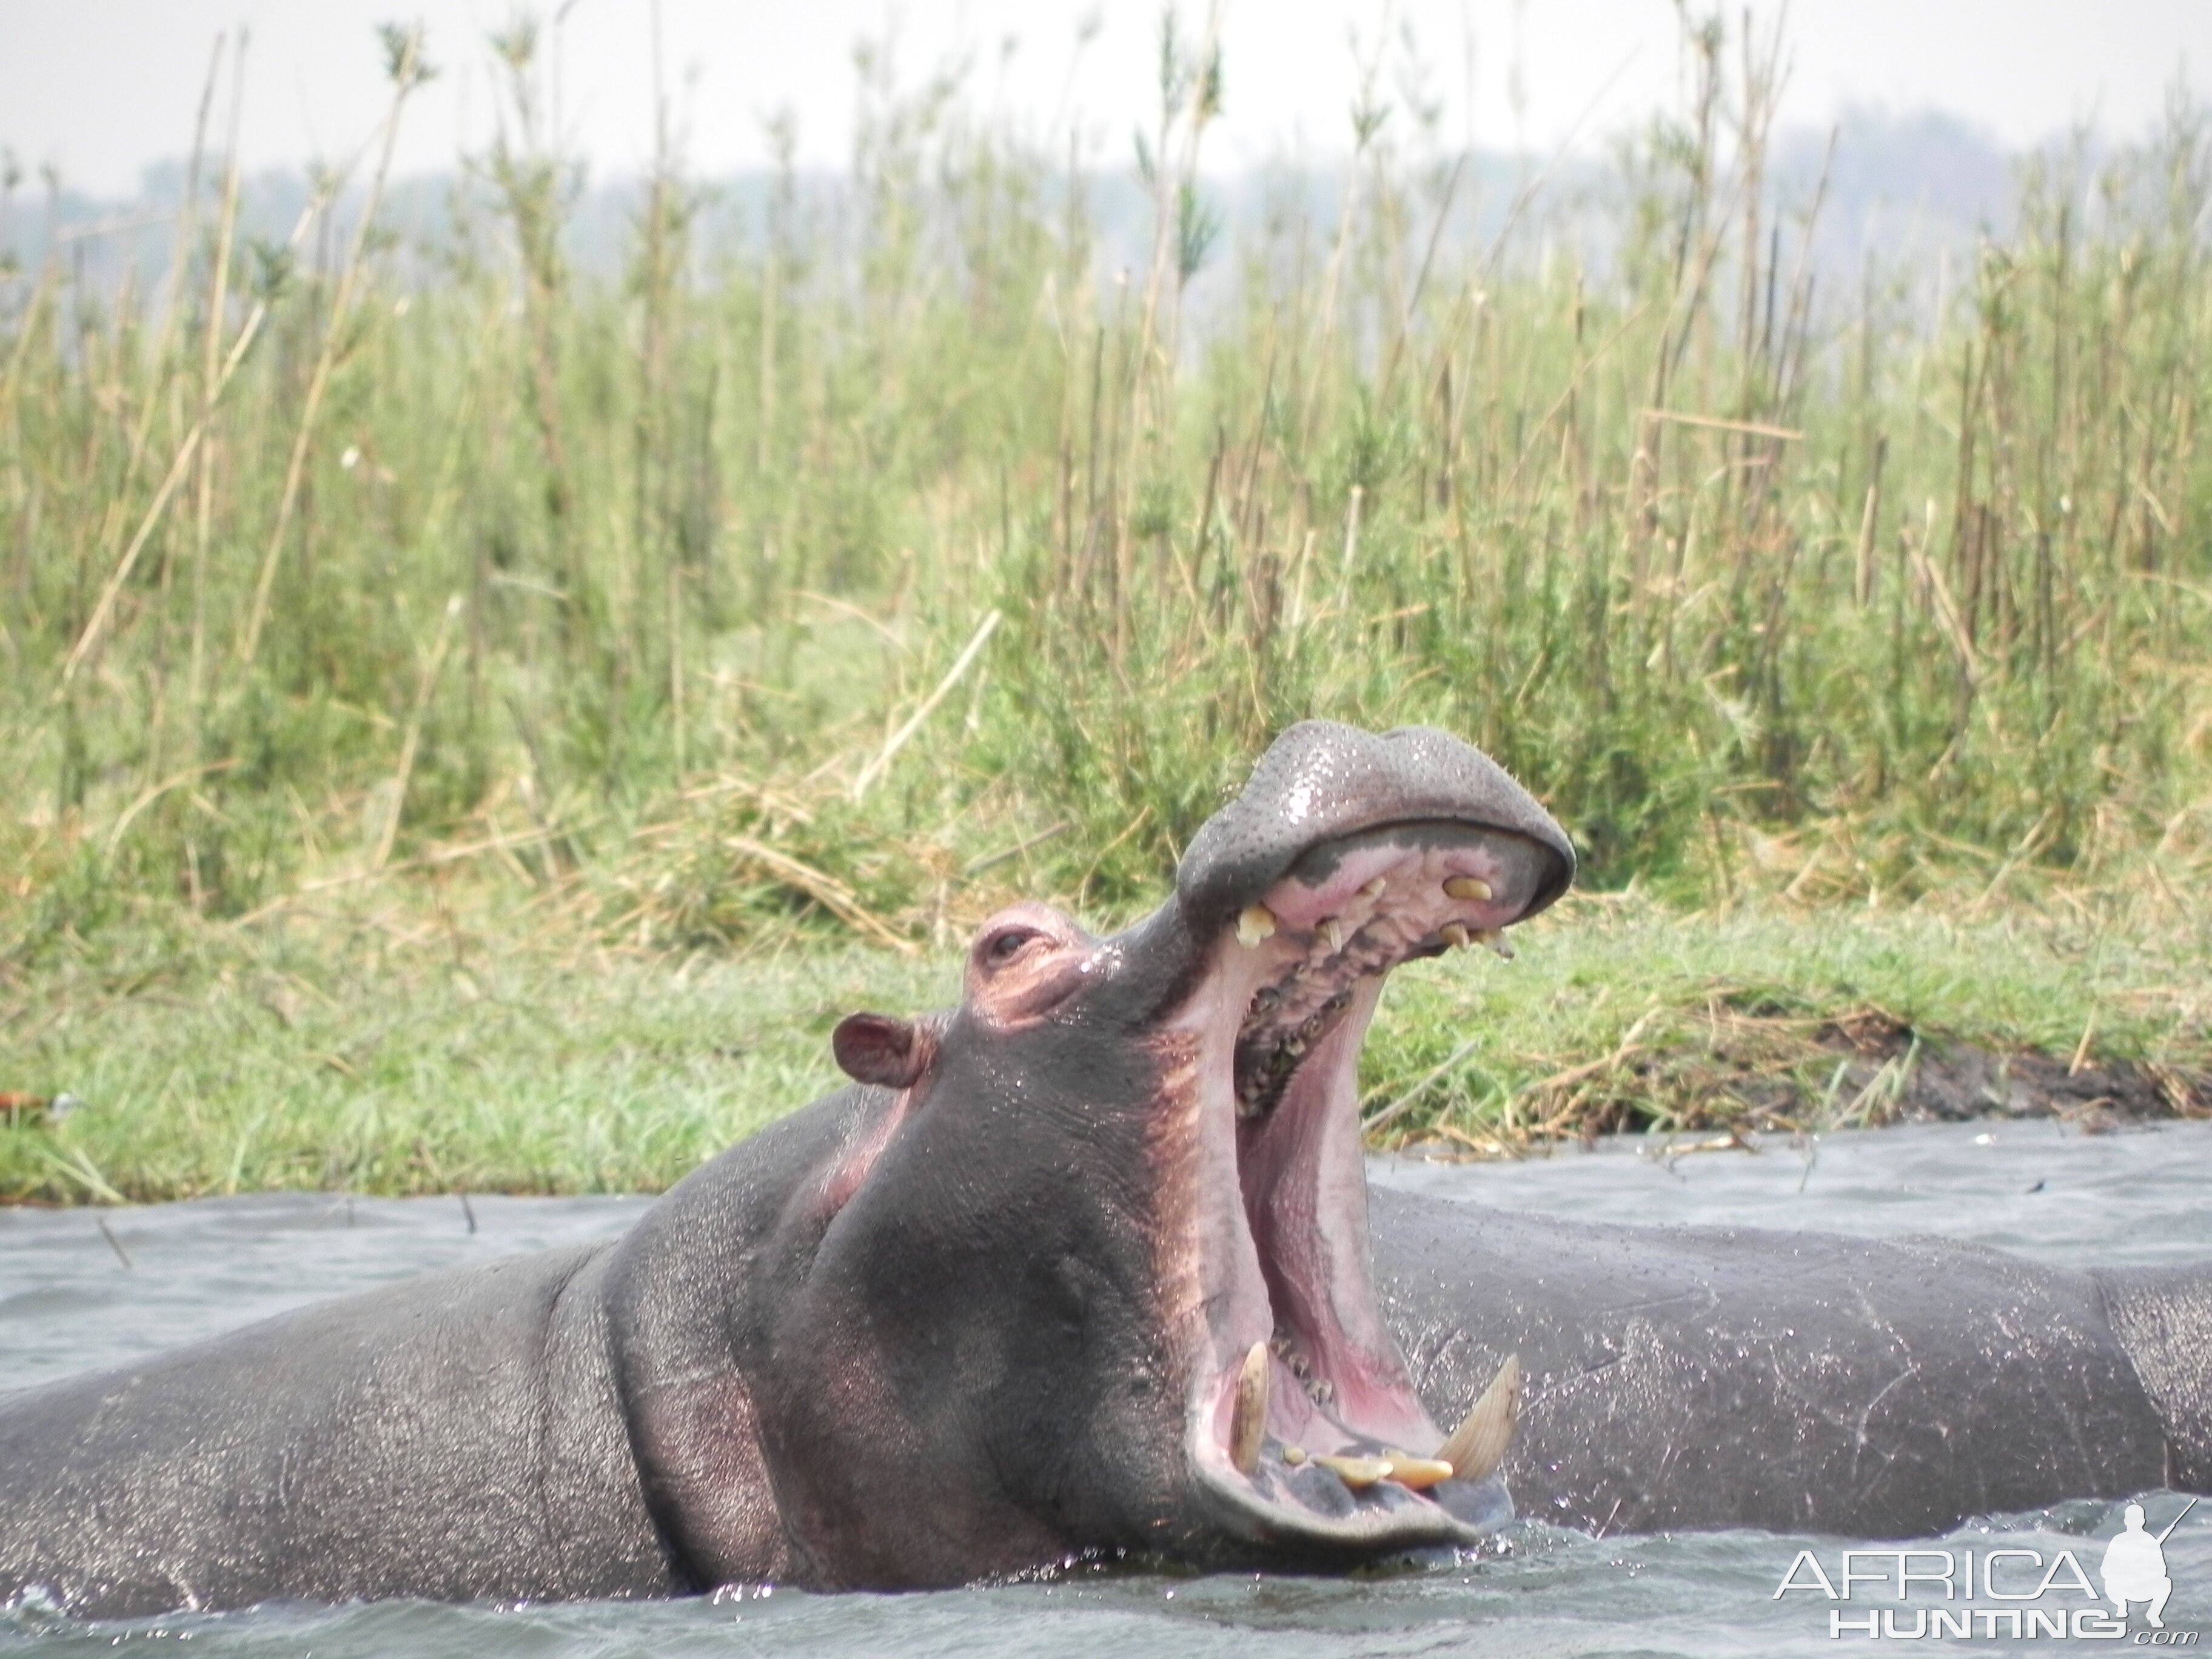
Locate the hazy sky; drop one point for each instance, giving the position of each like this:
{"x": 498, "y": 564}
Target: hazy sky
{"x": 102, "y": 87}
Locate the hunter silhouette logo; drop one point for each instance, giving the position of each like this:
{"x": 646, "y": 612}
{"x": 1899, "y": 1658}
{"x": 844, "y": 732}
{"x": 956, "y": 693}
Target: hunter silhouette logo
{"x": 2133, "y": 1569}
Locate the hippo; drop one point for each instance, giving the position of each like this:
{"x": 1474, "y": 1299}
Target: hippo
{"x": 1088, "y": 1266}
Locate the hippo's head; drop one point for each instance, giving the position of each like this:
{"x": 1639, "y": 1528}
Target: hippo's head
{"x": 1088, "y": 1265}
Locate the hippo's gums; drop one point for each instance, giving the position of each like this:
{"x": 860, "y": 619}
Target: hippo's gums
{"x": 1085, "y": 1265}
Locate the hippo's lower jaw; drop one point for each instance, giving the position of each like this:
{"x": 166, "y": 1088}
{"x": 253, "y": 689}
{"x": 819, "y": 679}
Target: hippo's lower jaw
{"x": 1304, "y": 1432}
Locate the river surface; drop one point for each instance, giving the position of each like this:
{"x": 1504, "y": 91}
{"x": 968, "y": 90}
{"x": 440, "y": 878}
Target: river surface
{"x": 69, "y": 1301}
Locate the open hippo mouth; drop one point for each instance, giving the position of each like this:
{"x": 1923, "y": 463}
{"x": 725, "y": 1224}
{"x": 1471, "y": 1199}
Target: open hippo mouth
{"x": 1302, "y": 1429}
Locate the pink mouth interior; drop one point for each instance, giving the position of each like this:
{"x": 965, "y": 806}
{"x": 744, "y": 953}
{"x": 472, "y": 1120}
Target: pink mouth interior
{"x": 1297, "y": 1273}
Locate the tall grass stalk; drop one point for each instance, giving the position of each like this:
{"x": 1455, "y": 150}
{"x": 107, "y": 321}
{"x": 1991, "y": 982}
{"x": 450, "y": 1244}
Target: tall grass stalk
{"x": 1750, "y": 581}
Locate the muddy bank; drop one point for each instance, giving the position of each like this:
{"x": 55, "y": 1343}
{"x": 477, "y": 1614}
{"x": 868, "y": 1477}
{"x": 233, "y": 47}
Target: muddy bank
{"x": 1726, "y": 1068}
{"x": 1909, "y": 1078}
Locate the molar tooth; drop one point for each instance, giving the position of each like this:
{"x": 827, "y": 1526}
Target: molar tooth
{"x": 1358, "y": 1473}
{"x": 1468, "y": 887}
{"x": 1480, "y": 1443}
{"x": 1455, "y": 934}
{"x": 1248, "y": 1419}
{"x": 1333, "y": 930}
{"x": 1255, "y": 923}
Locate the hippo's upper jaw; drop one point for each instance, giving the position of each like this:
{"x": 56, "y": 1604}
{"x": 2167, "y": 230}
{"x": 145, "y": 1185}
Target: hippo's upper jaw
{"x": 1348, "y": 854}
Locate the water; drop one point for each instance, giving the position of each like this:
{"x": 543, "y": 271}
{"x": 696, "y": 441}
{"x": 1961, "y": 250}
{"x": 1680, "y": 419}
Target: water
{"x": 68, "y": 1302}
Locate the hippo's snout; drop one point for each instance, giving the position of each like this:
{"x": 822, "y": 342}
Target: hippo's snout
{"x": 1321, "y": 785}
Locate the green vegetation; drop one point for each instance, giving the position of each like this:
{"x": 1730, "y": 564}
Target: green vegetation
{"x": 381, "y": 1050}
{"x": 409, "y": 1056}
{"x": 842, "y": 578}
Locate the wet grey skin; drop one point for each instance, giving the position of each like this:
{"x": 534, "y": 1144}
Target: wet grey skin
{"x": 1088, "y": 1264}
{"x": 1080, "y": 1265}
{"x": 1694, "y": 1377}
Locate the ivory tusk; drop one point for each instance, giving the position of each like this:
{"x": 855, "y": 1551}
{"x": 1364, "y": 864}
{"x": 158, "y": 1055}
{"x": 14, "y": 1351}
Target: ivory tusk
{"x": 1480, "y": 1443}
{"x": 1248, "y": 1421}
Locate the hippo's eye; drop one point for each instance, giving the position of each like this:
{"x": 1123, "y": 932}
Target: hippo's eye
{"x": 1003, "y": 946}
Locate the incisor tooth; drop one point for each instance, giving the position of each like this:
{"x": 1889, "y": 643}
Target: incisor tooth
{"x": 1294, "y": 1456}
{"x": 1358, "y": 1473}
{"x": 1419, "y": 1473}
{"x": 1468, "y": 887}
{"x": 1256, "y": 923}
{"x": 1248, "y": 1419}
{"x": 1480, "y": 1443}
{"x": 1455, "y": 934}
{"x": 1333, "y": 930}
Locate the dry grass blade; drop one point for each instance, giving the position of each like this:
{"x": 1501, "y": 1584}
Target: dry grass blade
{"x": 876, "y": 768}
{"x": 824, "y": 890}
{"x": 431, "y": 669}
{"x": 1380, "y": 1119}
{"x": 405, "y": 79}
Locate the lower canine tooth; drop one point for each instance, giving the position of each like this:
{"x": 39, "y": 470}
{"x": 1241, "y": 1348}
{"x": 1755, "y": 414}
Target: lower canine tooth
{"x": 1333, "y": 930}
{"x": 1358, "y": 1473}
{"x": 1374, "y": 889}
{"x": 1468, "y": 887}
{"x": 1496, "y": 941}
{"x": 1480, "y": 1443}
{"x": 1255, "y": 923}
{"x": 1248, "y": 1421}
{"x": 1455, "y": 934}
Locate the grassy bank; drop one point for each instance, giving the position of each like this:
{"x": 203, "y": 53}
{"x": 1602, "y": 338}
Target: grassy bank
{"x": 474, "y": 723}
{"x": 393, "y": 1048}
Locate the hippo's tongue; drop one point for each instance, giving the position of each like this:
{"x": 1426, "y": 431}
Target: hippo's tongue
{"x": 1302, "y": 1367}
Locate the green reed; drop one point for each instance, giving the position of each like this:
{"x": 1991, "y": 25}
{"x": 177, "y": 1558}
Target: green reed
{"x": 311, "y": 567}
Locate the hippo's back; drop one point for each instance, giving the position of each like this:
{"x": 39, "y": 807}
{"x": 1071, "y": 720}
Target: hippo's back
{"x": 454, "y": 1436}
{"x": 1701, "y": 1377}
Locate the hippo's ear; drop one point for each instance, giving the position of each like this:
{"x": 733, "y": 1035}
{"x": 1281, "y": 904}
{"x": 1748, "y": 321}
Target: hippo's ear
{"x": 877, "y": 1048}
